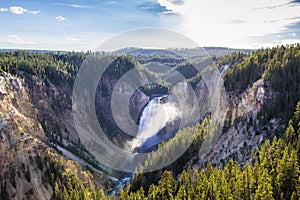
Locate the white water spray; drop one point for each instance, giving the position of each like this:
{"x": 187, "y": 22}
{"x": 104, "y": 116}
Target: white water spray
{"x": 155, "y": 116}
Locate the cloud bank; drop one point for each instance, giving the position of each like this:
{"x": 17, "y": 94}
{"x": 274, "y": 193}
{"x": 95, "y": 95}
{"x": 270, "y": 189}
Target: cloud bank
{"x": 233, "y": 23}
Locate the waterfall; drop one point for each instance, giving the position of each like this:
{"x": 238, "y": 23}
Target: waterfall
{"x": 154, "y": 118}
{"x": 146, "y": 117}
{"x": 146, "y": 128}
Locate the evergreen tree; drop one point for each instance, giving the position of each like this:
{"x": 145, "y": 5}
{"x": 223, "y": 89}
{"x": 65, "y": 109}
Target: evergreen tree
{"x": 167, "y": 186}
{"x": 264, "y": 190}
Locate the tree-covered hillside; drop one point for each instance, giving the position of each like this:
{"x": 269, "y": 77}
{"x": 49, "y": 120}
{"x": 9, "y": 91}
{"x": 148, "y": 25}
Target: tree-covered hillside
{"x": 271, "y": 173}
{"x": 59, "y": 68}
{"x": 279, "y": 68}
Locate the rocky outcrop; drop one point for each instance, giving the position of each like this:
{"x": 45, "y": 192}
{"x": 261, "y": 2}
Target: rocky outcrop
{"x": 21, "y": 138}
{"x": 243, "y": 131}
{"x": 136, "y": 105}
{"x": 30, "y": 117}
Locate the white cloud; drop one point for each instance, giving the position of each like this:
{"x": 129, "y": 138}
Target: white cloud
{"x": 78, "y": 6}
{"x": 293, "y": 34}
{"x": 72, "y": 38}
{"x": 17, "y": 10}
{"x": 204, "y": 21}
{"x": 3, "y": 9}
{"x": 60, "y": 18}
{"x": 14, "y": 39}
{"x": 71, "y": 5}
{"x": 34, "y": 12}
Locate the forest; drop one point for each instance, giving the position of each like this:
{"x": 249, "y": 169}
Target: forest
{"x": 271, "y": 173}
{"x": 279, "y": 68}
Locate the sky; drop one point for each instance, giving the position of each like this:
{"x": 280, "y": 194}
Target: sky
{"x": 82, "y": 25}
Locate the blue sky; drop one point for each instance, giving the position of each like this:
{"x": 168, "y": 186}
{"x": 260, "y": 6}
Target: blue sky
{"x": 84, "y": 24}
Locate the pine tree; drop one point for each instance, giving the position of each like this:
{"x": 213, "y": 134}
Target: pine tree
{"x": 123, "y": 194}
{"x": 264, "y": 190}
{"x": 153, "y": 192}
{"x": 167, "y": 186}
{"x": 101, "y": 195}
{"x": 288, "y": 173}
{"x": 249, "y": 182}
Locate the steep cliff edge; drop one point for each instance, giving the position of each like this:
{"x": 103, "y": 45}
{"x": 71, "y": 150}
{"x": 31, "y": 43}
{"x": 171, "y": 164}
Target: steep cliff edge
{"x": 243, "y": 129}
{"x": 35, "y": 116}
{"x": 32, "y": 122}
{"x": 22, "y": 138}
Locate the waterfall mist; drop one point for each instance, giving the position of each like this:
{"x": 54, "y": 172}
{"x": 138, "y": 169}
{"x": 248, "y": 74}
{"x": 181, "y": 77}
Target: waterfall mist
{"x": 155, "y": 116}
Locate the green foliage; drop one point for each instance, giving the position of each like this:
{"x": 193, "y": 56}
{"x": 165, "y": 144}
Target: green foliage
{"x": 154, "y": 88}
{"x": 264, "y": 189}
{"x": 242, "y": 74}
{"x": 280, "y": 69}
{"x": 274, "y": 174}
{"x": 66, "y": 184}
{"x": 58, "y": 68}
{"x": 283, "y": 75}
{"x": 118, "y": 67}
{"x": 191, "y": 137}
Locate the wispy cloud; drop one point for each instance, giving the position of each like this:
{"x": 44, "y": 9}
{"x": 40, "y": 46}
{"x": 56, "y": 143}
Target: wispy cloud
{"x": 72, "y": 38}
{"x": 71, "y": 5}
{"x": 34, "y": 12}
{"x": 17, "y": 10}
{"x": 14, "y": 39}
{"x": 273, "y": 6}
{"x": 60, "y": 18}
{"x": 235, "y": 21}
{"x": 166, "y": 13}
{"x": 3, "y": 9}
{"x": 293, "y": 34}
{"x": 155, "y": 8}
{"x": 177, "y": 2}
{"x": 290, "y": 41}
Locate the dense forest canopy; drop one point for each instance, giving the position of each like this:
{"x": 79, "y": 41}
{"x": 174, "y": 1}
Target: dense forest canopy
{"x": 57, "y": 67}
{"x": 273, "y": 172}
{"x": 279, "y": 69}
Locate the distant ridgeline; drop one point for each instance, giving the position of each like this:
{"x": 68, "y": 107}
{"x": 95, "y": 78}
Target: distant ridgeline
{"x": 62, "y": 67}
